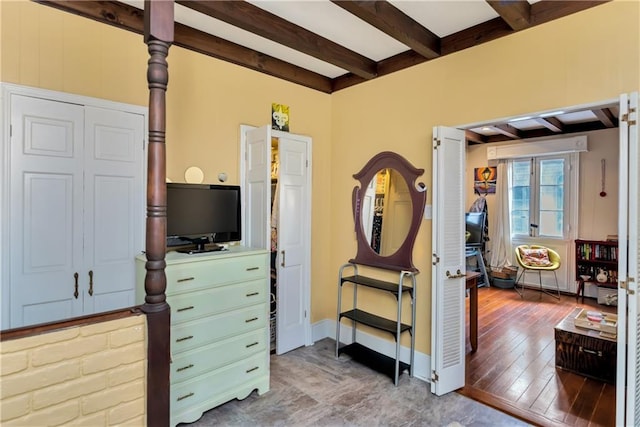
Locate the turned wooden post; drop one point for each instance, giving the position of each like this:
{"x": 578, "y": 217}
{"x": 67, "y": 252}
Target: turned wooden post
{"x": 158, "y": 35}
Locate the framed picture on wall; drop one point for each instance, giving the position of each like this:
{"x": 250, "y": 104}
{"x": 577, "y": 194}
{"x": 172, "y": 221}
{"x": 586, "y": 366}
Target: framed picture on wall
{"x": 280, "y": 117}
{"x": 484, "y": 180}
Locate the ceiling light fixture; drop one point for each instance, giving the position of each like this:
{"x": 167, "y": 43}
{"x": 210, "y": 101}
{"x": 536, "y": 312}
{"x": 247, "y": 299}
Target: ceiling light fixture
{"x": 519, "y": 119}
{"x": 553, "y": 113}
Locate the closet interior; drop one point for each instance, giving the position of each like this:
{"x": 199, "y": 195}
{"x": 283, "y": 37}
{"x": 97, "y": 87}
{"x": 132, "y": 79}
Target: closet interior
{"x": 275, "y": 163}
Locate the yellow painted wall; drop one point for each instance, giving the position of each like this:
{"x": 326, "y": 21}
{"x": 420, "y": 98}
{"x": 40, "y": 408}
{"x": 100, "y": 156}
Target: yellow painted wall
{"x": 586, "y": 57}
{"x": 589, "y": 56}
{"x": 82, "y": 376}
{"x": 207, "y": 99}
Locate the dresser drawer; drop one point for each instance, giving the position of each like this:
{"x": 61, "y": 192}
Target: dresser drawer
{"x": 190, "y": 393}
{"x": 187, "y": 277}
{"x": 207, "y": 358}
{"x": 188, "y": 335}
{"x": 185, "y": 307}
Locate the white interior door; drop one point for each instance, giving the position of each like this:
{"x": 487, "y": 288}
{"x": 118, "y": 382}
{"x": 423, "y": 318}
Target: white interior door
{"x": 257, "y": 187}
{"x": 628, "y": 346}
{"x": 368, "y": 209}
{"x": 397, "y": 213}
{"x": 113, "y": 208}
{"x": 45, "y": 210}
{"x": 293, "y": 245}
{"x": 448, "y": 282}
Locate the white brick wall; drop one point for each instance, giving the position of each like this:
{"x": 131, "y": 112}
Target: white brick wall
{"x": 88, "y": 375}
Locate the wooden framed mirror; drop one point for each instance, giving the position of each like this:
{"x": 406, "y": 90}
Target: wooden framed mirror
{"x": 387, "y": 210}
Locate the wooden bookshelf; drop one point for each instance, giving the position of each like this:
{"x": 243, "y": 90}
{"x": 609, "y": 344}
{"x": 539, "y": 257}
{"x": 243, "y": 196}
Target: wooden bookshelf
{"x": 592, "y": 257}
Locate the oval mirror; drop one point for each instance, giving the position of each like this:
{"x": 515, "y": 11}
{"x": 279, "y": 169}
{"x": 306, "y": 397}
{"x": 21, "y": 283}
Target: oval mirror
{"x": 386, "y": 211}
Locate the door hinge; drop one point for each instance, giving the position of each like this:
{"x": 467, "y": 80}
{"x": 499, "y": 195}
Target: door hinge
{"x": 436, "y": 143}
{"x": 305, "y": 314}
{"x": 625, "y": 117}
{"x": 436, "y": 258}
{"x": 307, "y": 163}
{"x": 629, "y": 290}
{"x": 434, "y": 376}
{"x": 10, "y": 131}
{"x": 624, "y": 284}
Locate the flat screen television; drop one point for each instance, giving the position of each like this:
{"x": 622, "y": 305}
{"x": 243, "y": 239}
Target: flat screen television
{"x": 203, "y": 213}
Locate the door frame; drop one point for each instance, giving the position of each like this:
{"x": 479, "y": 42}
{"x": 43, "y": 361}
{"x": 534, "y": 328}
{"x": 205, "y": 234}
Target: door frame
{"x": 308, "y": 338}
{"x": 7, "y": 90}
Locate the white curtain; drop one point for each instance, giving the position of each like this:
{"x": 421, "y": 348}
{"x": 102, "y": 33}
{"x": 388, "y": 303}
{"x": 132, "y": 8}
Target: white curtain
{"x": 500, "y": 235}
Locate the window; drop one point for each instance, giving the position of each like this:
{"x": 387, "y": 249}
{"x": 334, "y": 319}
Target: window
{"x": 538, "y": 195}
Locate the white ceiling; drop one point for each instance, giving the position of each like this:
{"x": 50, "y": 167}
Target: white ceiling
{"x": 326, "y": 19}
{"x": 369, "y": 44}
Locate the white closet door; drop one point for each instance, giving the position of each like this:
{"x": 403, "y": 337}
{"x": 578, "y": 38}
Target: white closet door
{"x": 368, "y": 209}
{"x": 292, "y": 244}
{"x": 448, "y": 286}
{"x": 628, "y": 398}
{"x": 46, "y": 210}
{"x": 113, "y": 207}
{"x": 397, "y": 213}
{"x": 257, "y": 188}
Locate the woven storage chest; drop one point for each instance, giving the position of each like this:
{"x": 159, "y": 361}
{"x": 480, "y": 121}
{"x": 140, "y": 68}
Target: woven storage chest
{"x": 584, "y": 351}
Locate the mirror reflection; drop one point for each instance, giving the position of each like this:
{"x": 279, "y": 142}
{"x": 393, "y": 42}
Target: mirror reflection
{"x": 386, "y": 211}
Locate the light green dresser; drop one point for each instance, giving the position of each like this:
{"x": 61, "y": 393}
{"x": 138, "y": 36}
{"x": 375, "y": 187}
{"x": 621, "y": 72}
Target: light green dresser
{"x": 219, "y": 327}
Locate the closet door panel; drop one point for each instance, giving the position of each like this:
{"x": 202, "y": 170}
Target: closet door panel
{"x": 290, "y": 318}
{"x": 113, "y": 208}
{"x": 46, "y": 210}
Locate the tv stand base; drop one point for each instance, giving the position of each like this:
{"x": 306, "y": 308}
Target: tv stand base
{"x": 214, "y": 248}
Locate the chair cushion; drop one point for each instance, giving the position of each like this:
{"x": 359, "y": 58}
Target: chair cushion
{"x": 535, "y": 257}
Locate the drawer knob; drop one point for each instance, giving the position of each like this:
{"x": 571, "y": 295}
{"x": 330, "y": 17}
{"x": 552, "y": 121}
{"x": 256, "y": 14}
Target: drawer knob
{"x": 184, "y": 338}
{"x": 252, "y": 344}
{"x": 252, "y": 294}
{"x": 253, "y": 319}
{"x": 185, "y": 308}
{"x": 185, "y": 396}
{"x": 184, "y": 368}
{"x": 253, "y": 268}
{"x": 252, "y": 369}
{"x": 186, "y": 279}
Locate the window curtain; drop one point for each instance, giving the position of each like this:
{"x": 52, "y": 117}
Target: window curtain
{"x": 500, "y": 236}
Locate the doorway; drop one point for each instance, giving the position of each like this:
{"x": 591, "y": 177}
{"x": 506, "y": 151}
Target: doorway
{"x": 596, "y": 218}
{"x": 440, "y": 144}
{"x": 276, "y": 180}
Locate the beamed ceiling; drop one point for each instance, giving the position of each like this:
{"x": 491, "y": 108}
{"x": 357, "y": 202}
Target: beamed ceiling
{"x": 331, "y": 45}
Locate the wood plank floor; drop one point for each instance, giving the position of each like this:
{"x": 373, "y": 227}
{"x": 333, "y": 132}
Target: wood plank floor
{"x": 514, "y": 367}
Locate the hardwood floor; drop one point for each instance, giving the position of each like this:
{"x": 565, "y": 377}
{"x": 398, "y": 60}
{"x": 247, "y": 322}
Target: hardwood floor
{"x": 514, "y": 367}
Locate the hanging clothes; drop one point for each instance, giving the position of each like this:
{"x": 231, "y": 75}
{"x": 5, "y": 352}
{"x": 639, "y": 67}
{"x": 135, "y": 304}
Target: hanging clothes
{"x": 480, "y": 205}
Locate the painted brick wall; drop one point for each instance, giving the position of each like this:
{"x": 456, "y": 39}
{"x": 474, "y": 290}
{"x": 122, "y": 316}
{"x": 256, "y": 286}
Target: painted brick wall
{"x": 90, "y": 375}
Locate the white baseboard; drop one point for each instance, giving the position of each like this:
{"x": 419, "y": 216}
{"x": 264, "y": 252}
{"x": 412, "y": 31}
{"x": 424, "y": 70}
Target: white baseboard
{"x": 327, "y": 329}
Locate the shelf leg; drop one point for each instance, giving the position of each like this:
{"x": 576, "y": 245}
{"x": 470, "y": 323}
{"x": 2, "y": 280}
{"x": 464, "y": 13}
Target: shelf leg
{"x": 413, "y": 324}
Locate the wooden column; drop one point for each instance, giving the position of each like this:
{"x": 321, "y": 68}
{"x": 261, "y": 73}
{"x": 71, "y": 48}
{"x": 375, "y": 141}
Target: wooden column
{"x": 158, "y": 35}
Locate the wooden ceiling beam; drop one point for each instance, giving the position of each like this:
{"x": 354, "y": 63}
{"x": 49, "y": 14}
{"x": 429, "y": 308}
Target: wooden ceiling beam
{"x": 551, "y": 123}
{"x": 393, "y": 22}
{"x": 474, "y": 137}
{"x": 361, "y": 69}
{"x": 131, "y": 18}
{"x": 507, "y": 130}
{"x": 606, "y": 117}
{"x": 516, "y": 13}
{"x": 265, "y": 24}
